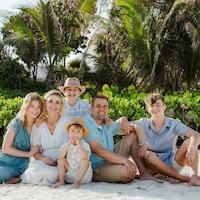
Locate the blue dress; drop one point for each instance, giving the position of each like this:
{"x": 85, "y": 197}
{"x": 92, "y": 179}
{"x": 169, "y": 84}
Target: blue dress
{"x": 12, "y": 166}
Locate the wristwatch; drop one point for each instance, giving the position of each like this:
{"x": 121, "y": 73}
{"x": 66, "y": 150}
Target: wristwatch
{"x": 143, "y": 142}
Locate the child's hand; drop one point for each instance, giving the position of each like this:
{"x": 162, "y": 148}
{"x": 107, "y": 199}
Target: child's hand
{"x": 73, "y": 141}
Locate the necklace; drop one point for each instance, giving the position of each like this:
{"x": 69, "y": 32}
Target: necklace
{"x": 51, "y": 126}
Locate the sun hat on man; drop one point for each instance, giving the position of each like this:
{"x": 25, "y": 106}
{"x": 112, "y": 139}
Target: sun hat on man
{"x": 72, "y": 82}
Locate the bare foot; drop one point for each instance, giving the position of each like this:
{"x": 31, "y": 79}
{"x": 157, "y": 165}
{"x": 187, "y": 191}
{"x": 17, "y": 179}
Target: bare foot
{"x": 14, "y": 180}
{"x": 57, "y": 184}
{"x": 194, "y": 180}
{"x": 75, "y": 185}
{"x": 151, "y": 178}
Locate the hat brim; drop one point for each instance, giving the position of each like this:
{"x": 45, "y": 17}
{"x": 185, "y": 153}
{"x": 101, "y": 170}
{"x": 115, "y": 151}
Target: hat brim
{"x": 81, "y": 88}
{"x": 68, "y": 124}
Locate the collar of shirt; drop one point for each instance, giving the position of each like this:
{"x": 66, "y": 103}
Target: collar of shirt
{"x": 92, "y": 120}
{"x": 164, "y": 127}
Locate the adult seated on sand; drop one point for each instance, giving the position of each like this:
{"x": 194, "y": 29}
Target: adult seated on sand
{"x": 50, "y": 135}
{"x": 110, "y": 163}
{"x": 16, "y": 148}
{"x": 160, "y": 139}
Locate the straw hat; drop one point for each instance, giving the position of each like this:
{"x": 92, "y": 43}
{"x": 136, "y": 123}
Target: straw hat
{"x": 80, "y": 122}
{"x": 72, "y": 82}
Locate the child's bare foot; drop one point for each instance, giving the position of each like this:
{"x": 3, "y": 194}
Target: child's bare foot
{"x": 76, "y": 185}
{"x": 194, "y": 180}
{"x": 151, "y": 178}
{"x": 57, "y": 184}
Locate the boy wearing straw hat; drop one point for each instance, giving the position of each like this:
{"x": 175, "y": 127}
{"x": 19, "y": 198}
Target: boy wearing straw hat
{"x": 73, "y": 163}
{"x": 74, "y": 106}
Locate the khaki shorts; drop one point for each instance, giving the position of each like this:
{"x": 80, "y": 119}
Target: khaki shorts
{"x": 175, "y": 165}
{"x": 109, "y": 172}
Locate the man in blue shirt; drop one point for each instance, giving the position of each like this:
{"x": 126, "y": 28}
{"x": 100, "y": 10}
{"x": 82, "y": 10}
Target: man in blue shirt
{"x": 110, "y": 162}
{"x": 160, "y": 140}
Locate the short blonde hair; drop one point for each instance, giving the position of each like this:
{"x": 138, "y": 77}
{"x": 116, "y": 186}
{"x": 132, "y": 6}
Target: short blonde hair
{"x": 59, "y": 95}
{"x": 28, "y": 99}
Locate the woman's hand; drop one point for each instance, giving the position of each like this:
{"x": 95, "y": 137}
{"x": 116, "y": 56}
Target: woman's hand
{"x": 35, "y": 149}
{"x": 49, "y": 161}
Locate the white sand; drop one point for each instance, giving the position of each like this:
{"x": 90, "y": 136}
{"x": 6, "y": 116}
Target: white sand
{"x": 137, "y": 190}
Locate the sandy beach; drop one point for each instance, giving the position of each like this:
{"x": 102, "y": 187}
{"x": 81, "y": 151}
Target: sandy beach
{"x": 137, "y": 190}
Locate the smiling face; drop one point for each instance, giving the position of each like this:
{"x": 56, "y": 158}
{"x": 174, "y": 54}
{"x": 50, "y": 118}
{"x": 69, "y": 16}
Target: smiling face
{"x": 34, "y": 109}
{"x": 157, "y": 109}
{"x": 76, "y": 132}
{"x": 72, "y": 93}
{"x": 53, "y": 105}
{"x": 100, "y": 108}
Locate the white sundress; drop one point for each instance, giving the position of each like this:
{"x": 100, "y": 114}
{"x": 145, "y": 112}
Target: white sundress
{"x": 38, "y": 172}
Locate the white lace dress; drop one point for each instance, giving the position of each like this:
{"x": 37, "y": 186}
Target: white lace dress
{"x": 39, "y": 173}
{"x": 73, "y": 160}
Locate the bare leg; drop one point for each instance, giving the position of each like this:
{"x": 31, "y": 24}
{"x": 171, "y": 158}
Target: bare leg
{"x": 144, "y": 175}
{"x": 181, "y": 160}
{"x": 154, "y": 162}
{"x": 84, "y": 165}
{"x": 62, "y": 169}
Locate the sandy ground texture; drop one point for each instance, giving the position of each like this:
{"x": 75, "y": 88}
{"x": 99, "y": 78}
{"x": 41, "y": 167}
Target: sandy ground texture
{"x": 137, "y": 190}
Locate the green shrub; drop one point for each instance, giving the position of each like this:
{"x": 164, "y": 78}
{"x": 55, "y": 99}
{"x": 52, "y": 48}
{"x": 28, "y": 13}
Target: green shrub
{"x": 127, "y": 102}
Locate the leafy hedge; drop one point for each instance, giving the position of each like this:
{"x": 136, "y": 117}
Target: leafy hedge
{"x": 127, "y": 102}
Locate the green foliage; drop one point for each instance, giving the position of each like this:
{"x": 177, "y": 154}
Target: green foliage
{"x": 12, "y": 74}
{"x": 127, "y": 102}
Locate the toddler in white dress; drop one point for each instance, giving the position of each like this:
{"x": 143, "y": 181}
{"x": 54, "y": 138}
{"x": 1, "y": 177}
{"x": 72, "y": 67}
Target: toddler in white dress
{"x": 73, "y": 163}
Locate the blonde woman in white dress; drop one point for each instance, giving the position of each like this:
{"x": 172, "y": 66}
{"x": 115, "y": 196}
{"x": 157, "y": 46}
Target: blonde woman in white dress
{"x": 50, "y": 135}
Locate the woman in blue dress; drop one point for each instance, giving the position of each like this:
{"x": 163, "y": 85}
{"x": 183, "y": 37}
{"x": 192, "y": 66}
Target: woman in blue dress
{"x": 16, "y": 148}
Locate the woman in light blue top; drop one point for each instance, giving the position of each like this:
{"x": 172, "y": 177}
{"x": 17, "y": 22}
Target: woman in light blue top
{"x": 16, "y": 150}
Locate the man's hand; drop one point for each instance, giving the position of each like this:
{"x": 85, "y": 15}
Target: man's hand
{"x": 130, "y": 167}
{"x": 142, "y": 151}
{"x": 124, "y": 125}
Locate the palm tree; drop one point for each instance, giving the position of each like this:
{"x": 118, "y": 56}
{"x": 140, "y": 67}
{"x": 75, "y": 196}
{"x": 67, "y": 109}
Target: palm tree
{"x": 50, "y": 31}
{"x": 159, "y": 41}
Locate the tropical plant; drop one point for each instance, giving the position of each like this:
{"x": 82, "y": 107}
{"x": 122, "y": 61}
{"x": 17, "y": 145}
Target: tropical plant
{"x": 156, "y": 43}
{"x": 48, "y": 32}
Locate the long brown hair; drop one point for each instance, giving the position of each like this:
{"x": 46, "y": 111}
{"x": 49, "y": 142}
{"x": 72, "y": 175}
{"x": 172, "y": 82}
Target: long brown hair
{"x": 28, "y": 99}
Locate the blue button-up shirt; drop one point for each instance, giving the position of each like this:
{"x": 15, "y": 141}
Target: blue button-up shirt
{"x": 104, "y": 135}
{"x": 164, "y": 142}
{"x": 79, "y": 110}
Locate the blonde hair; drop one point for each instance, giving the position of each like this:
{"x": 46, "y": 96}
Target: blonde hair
{"x": 28, "y": 99}
{"x": 59, "y": 95}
